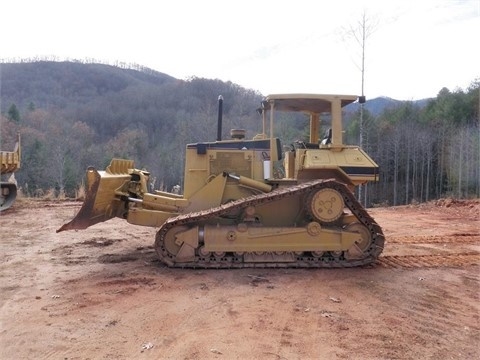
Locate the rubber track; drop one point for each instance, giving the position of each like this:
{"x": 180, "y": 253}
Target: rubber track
{"x": 233, "y": 261}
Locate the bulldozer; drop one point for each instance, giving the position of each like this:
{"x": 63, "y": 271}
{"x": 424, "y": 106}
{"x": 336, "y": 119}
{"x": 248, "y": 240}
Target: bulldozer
{"x": 10, "y": 163}
{"x": 236, "y": 211}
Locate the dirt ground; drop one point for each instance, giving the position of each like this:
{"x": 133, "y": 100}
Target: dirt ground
{"x": 101, "y": 294}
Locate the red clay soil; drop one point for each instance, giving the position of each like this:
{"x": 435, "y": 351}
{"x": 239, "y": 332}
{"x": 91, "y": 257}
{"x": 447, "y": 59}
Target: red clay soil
{"x": 101, "y": 293}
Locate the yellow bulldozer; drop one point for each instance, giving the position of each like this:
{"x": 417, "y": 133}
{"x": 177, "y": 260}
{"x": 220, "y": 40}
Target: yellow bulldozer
{"x": 235, "y": 213}
{"x": 10, "y": 162}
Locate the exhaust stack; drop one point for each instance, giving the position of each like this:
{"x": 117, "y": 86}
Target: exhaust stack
{"x": 220, "y": 117}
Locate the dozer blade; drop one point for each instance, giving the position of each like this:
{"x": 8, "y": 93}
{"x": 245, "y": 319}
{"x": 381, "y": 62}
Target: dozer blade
{"x": 102, "y": 202}
{"x": 8, "y": 194}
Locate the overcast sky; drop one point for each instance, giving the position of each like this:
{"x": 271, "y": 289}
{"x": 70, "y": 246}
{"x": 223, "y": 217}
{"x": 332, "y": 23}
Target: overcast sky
{"x": 414, "y": 49}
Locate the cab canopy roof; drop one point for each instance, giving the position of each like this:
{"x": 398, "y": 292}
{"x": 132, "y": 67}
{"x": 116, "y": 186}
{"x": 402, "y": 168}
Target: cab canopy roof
{"x": 310, "y": 103}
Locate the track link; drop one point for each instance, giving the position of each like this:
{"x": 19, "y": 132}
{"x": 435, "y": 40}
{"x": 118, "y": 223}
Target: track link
{"x": 304, "y": 260}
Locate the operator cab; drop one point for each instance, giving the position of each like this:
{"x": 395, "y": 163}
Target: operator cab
{"x": 319, "y": 159}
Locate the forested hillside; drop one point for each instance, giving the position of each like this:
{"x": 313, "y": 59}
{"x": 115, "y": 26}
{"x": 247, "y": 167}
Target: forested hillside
{"x": 426, "y": 152}
{"x": 72, "y": 115}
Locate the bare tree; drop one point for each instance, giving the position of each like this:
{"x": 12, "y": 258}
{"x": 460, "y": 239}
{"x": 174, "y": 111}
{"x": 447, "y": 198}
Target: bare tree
{"x": 359, "y": 33}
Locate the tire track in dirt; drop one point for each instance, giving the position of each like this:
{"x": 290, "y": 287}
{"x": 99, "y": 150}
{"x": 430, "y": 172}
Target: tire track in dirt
{"x": 463, "y": 254}
{"x": 460, "y": 238}
{"x": 429, "y": 261}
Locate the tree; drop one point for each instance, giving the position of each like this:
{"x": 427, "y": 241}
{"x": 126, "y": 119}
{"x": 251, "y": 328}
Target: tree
{"x": 359, "y": 32}
{"x": 13, "y": 113}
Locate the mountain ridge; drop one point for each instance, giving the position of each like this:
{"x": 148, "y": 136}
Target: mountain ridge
{"x": 50, "y": 83}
